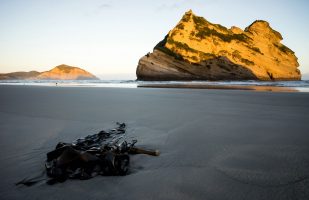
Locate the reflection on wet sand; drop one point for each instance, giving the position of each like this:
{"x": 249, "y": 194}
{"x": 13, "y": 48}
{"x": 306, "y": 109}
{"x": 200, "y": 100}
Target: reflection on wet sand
{"x": 224, "y": 87}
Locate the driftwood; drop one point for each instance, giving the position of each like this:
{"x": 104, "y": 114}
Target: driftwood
{"x": 105, "y": 153}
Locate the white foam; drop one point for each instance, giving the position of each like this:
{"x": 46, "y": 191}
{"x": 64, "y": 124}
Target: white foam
{"x": 302, "y": 86}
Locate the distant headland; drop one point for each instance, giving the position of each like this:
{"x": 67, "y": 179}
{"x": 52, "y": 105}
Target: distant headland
{"x": 60, "y": 72}
{"x": 200, "y": 50}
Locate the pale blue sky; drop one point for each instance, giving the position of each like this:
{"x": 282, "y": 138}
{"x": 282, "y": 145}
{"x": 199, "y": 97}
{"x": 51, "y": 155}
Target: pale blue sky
{"x": 108, "y": 37}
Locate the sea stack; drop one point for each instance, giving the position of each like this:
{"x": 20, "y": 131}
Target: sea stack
{"x": 197, "y": 49}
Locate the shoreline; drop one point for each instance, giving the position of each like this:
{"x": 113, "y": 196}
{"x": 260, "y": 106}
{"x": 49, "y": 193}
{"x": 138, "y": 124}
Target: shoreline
{"x": 224, "y": 87}
{"x": 270, "y": 86}
{"x": 256, "y": 88}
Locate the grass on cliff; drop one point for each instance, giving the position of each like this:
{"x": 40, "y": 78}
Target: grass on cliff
{"x": 181, "y": 45}
{"x": 180, "y": 26}
{"x": 256, "y": 50}
{"x": 236, "y": 55}
{"x": 206, "y": 56}
{"x": 201, "y": 21}
{"x": 284, "y": 48}
{"x": 186, "y": 17}
{"x": 161, "y": 47}
{"x": 201, "y": 55}
{"x": 203, "y": 31}
{"x": 207, "y": 32}
{"x": 246, "y": 61}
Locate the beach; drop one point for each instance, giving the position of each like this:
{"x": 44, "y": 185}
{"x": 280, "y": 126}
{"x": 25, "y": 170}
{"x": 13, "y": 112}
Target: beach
{"x": 214, "y": 144}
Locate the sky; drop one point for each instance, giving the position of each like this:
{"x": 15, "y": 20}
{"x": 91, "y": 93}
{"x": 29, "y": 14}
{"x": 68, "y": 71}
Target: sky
{"x": 108, "y": 37}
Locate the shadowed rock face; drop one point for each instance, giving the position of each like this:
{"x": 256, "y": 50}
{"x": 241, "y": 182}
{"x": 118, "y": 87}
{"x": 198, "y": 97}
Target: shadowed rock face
{"x": 199, "y": 50}
{"x": 161, "y": 66}
{"x": 60, "y": 72}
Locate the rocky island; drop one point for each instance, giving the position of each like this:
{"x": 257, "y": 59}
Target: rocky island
{"x": 197, "y": 49}
{"x": 60, "y": 72}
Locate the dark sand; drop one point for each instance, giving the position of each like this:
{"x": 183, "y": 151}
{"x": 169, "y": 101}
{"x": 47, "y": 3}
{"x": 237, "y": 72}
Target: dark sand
{"x": 215, "y": 144}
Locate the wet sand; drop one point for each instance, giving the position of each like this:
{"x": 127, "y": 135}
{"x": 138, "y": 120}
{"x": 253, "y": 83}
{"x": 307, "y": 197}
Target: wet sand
{"x": 223, "y": 87}
{"x": 215, "y": 144}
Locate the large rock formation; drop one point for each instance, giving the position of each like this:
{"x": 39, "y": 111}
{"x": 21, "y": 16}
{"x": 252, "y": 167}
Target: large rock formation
{"x": 199, "y": 50}
{"x": 60, "y": 72}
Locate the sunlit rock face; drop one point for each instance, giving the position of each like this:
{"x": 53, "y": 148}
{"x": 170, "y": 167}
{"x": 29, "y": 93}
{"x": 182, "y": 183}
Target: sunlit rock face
{"x": 65, "y": 72}
{"x": 199, "y": 50}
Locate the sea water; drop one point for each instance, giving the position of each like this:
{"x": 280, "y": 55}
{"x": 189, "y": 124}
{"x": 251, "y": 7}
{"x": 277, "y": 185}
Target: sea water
{"x": 301, "y": 86}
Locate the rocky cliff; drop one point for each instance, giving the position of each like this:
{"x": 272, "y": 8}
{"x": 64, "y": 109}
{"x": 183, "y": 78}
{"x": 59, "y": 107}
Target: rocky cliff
{"x": 200, "y": 50}
{"x": 60, "y": 72}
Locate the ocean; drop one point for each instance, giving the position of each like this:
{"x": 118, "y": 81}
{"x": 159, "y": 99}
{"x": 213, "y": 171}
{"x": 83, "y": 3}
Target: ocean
{"x": 297, "y": 86}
